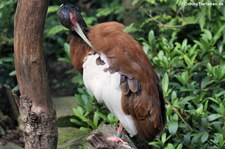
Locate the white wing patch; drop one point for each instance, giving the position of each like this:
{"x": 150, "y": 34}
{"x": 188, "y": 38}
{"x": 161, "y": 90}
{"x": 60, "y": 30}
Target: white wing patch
{"x": 106, "y": 89}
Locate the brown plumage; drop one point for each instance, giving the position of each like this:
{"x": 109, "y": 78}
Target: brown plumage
{"x": 142, "y": 97}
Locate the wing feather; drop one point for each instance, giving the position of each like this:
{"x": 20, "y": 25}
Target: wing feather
{"x": 133, "y": 85}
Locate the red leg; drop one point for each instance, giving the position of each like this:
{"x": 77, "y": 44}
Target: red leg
{"x": 120, "y": 129}
{"x": 117, "y": 137}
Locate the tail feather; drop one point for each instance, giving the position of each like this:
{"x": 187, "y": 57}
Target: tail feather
{"x": 147, "y": 110}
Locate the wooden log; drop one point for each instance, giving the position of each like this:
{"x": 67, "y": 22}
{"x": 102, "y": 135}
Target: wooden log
{"x": 98, "y": 139}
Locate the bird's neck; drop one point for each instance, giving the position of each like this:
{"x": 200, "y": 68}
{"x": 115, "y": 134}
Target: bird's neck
{"x": 74, "y": 34}
{"x": 78, "y": 50}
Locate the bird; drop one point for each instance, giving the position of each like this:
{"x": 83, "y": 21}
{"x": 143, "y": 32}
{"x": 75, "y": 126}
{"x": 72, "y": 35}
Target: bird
{"x": 117, "y": 71}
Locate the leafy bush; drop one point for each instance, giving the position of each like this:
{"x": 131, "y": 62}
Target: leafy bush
{"x": 90, "y": 114}
{"x": 184, "y": 43}
{"x": 193, "y": 79}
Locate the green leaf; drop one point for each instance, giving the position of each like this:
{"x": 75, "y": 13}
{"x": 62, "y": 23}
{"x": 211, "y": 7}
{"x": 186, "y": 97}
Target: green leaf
{"x": 184, "y": 44}
{"x": 78, "y": 80}
{"x": 169, "y": 146}
{"x": 78, "y": 111}
{"x": 183, "y": 78}
{"x": 208, "y": 34}
{"x": 218, "y": 34}
{"x": 205, "y": 82}
{"x": 56, "y": 29}
{"x": 188, "y": 61}
{"x": 165, "y": 83}
{"x": 110, "y": 117}
{"x": 219, "y": 94}
{"x": 79, "y": 99}
{"x": 151, "y": 1}
{"x": 173, "y": 95}
{"x": 200, "y": 109}
{"x": 221, "y": 140}
{"x": 95, "y": 119}
{"x": 189, "y": 20}
{"x": 130, "y": 28}
{"x": 173, "y": 124}
{"x": 213, "y": 117}
{"x": 89, "y": 20}
{"x": 151, "y": 39}
{"x": 204, "y": 137}
{"x": 78, "y": 122}
{"x": 180, "y": 146}
{"x": 13, "y": 73}
{"x": 196, "y": 137}
{"x": 105, "y": 11}
{"x": 186, "y": 100}
{"x": 103, "y": 116}
{"x": 187, "y": 138}
{"x": 155, "y": 144}
{"x": 201, "y": 19}
{"x": 67, "y": 49}
{"x": 146, "y": 47}
{"x": 63, "y": 59}
{"x": 87, "y": 120}
{"x": 163, "y": 138}
{"x": 53, "y": 9}
{"x": 85, "y": 129}
{"x": 222, "y": 109}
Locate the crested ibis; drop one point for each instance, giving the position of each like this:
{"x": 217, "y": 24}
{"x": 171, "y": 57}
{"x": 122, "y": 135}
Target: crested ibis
{"x": 118, "y": 73}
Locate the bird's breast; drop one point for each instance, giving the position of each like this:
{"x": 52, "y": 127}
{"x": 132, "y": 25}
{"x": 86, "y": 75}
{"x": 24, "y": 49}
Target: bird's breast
{"x": 105, "y": 86}
{"x": 96, "y": 77}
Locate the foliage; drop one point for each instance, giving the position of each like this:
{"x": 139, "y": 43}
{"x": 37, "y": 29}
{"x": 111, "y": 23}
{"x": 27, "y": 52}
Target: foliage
{"x": 193, "y": 79}
{"x": 90, "y": 114}
{"x": 191, "y": 68}
{"x": 7, "y": 73}
{"x": 185, "y": 44}
{"x": 6, "y": 43}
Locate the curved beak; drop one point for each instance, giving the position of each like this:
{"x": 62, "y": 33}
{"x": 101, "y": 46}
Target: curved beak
{"x": 79, "y": 31}
{"x": 82, "y": 35}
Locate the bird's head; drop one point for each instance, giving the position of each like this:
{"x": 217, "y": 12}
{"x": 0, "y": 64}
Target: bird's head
{"x": 70, "y": 17}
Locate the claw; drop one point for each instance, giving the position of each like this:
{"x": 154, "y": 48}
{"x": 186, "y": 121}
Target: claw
{"x": 116, "y": 139}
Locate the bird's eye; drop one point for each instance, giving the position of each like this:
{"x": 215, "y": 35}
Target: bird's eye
{"x": 78, "y": 9}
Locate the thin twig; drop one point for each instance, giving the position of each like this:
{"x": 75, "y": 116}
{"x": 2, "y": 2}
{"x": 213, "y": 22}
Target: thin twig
{"x": 160, "y": 24}
{"x": 178, "y": 113}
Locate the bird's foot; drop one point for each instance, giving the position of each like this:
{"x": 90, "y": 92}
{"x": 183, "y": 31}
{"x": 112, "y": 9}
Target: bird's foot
{"x": 116, "y": 139}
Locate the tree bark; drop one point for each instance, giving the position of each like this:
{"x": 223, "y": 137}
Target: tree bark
{"x": 37, "y": 112}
